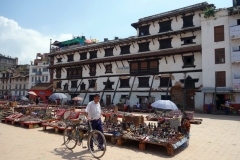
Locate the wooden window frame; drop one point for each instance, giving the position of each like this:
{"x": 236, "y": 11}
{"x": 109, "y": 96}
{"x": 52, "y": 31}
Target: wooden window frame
{"x": 220, "y": 81}
{"x": 59, "y": 84}
{"x": 144, "y": 30}
{"x": 188, "y": 40}
{"x": 125, "y": 49}
{"x": 92, "y": 73}
{"x": 149, "y": 69}
{"x": 164, "y": 81}
{"x": 65, "y": 87}
{"x": 74, "y": 84}
{"x": 124, "y": 84}
{"x": 188, "y": 21}
{"x": 108, "y": 52}
{"x": 143, "y": 47}
{"x": 165, "y": 43}
{"x": 165, "y": 26}
{"x": 219, "y": 36}
{"x": 70, "y": 58}
{"x": 93, "y": 54}
{"x": 58, "y": 73}
{"x": 143, "y": 84}
{"x": 106, "y": 67}
{"x": 219, "y": 55}
{"x": 92, "y": 83}
{"x": 82, "y": 85}
{"x": 83, "y": 56}
{"x": 186, "y": 64}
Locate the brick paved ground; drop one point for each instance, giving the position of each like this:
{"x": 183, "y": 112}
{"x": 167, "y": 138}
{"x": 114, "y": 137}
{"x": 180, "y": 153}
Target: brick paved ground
{"x": 217, "y": 138}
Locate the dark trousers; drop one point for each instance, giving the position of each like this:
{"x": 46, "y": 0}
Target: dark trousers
{"x": 97, "y": 125}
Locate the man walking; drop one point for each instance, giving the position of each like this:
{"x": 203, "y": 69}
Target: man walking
{"x": 93, "y": 114}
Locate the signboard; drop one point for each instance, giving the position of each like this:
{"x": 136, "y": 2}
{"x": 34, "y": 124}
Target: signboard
{"x": 235, "y": 32}
{"x": 122, "y": 70}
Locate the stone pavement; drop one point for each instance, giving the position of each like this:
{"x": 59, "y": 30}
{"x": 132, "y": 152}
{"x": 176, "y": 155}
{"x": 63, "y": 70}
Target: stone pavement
{"x": 217, "y": 138}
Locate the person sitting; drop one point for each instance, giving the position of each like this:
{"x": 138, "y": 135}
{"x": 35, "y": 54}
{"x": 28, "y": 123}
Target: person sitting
{"x": 138, "y": 105}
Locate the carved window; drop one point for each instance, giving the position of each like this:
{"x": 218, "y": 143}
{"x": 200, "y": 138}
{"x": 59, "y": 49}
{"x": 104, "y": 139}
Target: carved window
{"x": 58, "y": 73}
{"x": 92, "y": 70}
{"x": 164, "y": 81}
{"x": 124, "y": 83}
{"x": 188, "y": 61}
{"x": 93, "y": 54}
{"x": 108, "y": 52}
{"x": 83, "y": 86}
{"x": 165, "y": 43}
{"x": 108, "y": 85}
{"x": 125, "y": 49}
{"x": 73, "y": 84}
{"x": 165, "y": 26}
{"x": 144, "y": 30}
{"x": 83, "y": 56}
{"x": 108, "y": 68}
{"x": 65, "y": 86}
{"x": 143, "y": 81}
{"x": 59, "y": 60}
{"x": 70, "y": 58}
{"x": 188, "y": 40}
{"x": 187, "y": 21}
{"x": 59, "y": 85}
{"x": 92, "y": 83}
{"x": 143, "y": 46}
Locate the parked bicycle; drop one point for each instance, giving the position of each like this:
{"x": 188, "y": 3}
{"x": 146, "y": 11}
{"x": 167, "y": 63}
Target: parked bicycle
{"x": 73, "y": 135}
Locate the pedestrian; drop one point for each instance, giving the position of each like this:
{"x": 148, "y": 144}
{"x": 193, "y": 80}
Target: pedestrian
{"x": 37, "y": 100}
{"x": 227, "y": 104}
{"x": 93, "y": 114}
{"x": 128, "y": 105}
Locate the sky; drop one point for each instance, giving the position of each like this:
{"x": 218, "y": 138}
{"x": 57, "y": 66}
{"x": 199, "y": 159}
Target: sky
{"x": 26, "y": 26}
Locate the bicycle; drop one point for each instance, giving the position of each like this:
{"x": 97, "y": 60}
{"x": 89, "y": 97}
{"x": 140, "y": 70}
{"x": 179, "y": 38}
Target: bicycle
{"x": 74, "y": 133}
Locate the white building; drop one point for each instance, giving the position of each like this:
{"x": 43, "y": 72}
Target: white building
{"x": 165, "y": 54}
{"x": 38, "y": 72}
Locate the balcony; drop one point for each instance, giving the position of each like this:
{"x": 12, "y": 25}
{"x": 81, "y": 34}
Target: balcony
{"x": 235, "y": 55}
{"x": 38, "y": 73}
{"x": 235, "y": 32}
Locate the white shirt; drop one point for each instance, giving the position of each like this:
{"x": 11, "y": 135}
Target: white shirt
{"x": 138, "y": 105}
{"x": 93, "y": 110}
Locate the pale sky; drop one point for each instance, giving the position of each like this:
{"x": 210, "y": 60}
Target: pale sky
{"x": 26, "y": 26}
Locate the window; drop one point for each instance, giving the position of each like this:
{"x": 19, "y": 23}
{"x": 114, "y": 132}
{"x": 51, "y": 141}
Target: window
{"x": 189, "y": 82}
{"x": 46, "y": 78}
{"x": 74, "y": 72}
{"x": 188, "y": 61}
{"x": 108, "y": 85}
{"x": 58, "y": 73}
{"x": 59, "y": 60}
{"x": 134, "y": 67}
{"x": 221, "y": 79}
{"x": 32, "y": 79}
{"x": 163, "y": 97}
{"x": 65, "y": 86}
{"x": 153, "y": 66}
{"x": 16, "y": 86}
{"x": 92, "y": 83}
{"x": 45, "y": 69}
{"x": 144, "y": 67}
{"x": 70, "y": 57}
{"x": 124, "y": 83}
{"x": 143, "y": 46}
{"x": 108, "y": 68}
{"x": 73, "y": 84}
{"x": 219, "y": 55}
{"x": 92, "y": 70}
{"x": 59, "y": 85}
{"x": 187, "y": 21}
{"x": 93, "y": 54}
{"x": 20, "y": 86}
{"x": 188, "y": 40}
{"x": 43, "y": 78}
{"x": 125, "y": 49}
{"x": 165, "y": 43}
{"x": 164, "y": 82}
{"x": 165, "y": 26}
{"x": 108, "y": 52}
{"x": 24, "y": 86}
{"x": 35, "y": 78}
{"x": 83, "y": 56}
{"x": 218, "y": 33}
{"x": 34, "y": 70}
{"x": 144, "y": 30}
{"x": 143, "y": 81}
{"x": 82, "y": 86}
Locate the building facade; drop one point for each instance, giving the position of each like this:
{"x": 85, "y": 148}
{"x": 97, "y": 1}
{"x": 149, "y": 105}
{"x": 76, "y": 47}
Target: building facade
{"x": 7, "y": 61}
{"x": 163, "y": 61}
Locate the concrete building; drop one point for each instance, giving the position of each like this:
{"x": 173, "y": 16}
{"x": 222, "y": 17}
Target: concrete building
{"x": 7, "y": 61}
{"x": 163, "y": 61}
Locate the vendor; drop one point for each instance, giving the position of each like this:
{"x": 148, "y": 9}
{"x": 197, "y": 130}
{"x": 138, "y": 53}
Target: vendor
{"x": 185, "y": 124}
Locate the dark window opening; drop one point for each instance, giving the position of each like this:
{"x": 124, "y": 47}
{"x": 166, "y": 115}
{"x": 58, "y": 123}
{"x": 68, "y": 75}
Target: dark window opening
{"x": 221, "y": 79}
{"x": 165, "y": 26}
{"x": 92, "y": 70}
{"x": 108, "y": 85}
{"x": 93, "y": 54}
{"x": 164, "y": 97}
{"x": 143, "y": 81}
{"x": 83, "y": 56}
{"x": 238, "y": 22}
{"x": 189, "y": 82}
{"x": 188, "y": 40}
{"x": 59, "y": 85}
{"x": 108, "y": 52}
{"x": 188, "y": 61}
{"x": 187, "y": 21}
{"x": 165, "y": 43}
{"x": 220, "y": 56}
{"x": 143, "y": 47}
{"x": 65, "y": 86}
{"x": 124, "y": 83}
{"x": 218, "y": 33}
{"x": 83, "y": 86}
{"x": 108, "y": 68}
{"x": 58, "y": 73}
{"x": 74, "y": 72}
{"x": 92, "y": 83}
{"x": 164, "y": 81}
{"x": 73, "y": 84}
{"x": 144, "y": 30}
{"x": 70, "y": 57}
{"x": 59, "y": 60}
{"x": 125, "y": 49}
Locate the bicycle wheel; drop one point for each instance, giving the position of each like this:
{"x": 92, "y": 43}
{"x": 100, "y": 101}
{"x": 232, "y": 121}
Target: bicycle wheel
{"x": 97, "y": 144}
{"x": 70, "y": 137}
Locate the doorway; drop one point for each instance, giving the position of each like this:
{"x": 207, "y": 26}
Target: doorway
{"x": 108, "y": 99}
{"x": 220, "y": 99}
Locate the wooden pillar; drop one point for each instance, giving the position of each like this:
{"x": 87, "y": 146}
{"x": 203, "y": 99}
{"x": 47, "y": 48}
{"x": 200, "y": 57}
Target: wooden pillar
{"x": 115, "y": 90}
{"x": 168, "y": 85}
{"x": 86, "y": 92}
{"x": 150, "y": 89}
